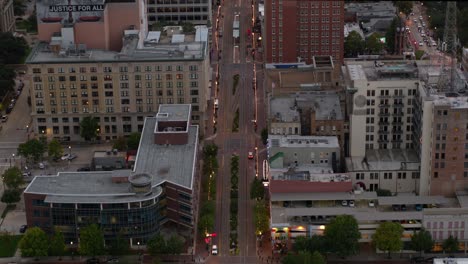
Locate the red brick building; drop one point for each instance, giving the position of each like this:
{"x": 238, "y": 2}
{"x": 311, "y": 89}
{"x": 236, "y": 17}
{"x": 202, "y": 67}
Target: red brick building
{"x": 303, "y": 28}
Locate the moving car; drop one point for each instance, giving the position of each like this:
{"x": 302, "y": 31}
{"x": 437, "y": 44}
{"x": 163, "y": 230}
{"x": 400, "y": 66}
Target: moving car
{"x": 421, "y": 43}
{"x": 65, "y": 157}
{"x": 214, "y": 250}
{"x": 250, "y": 156}
{"x": 72, "y": 157}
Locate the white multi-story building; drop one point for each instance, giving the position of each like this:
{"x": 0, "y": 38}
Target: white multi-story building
{"x": 381, "y": 124}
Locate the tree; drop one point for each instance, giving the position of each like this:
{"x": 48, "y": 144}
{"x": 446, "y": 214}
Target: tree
{"x": 32, "y": 22}
{"x": 120, "y": 143}
{"x": 174, "y": 245}
{"x": 317, "y": 258}
{"x": 261, "y": 218}
{"x": 257, "y": 191}
{"x": 188, "y": 27}
{"x": 12, "y": 178}
{"x": 119, "y": 246}
{"x": 89, "y": 128}
{"x": 390, "y": 35}
{"x": 57, "y": 243}
{"x": 133, "y": 141}
{"x": 91, "y": 241}
{"x": 450, "y": 245}
{"x": 387, "y": 237}
{"x": 384, "y": 192}
{"x": 7, "y": 79}
{"x": 12, "y": 49}
{"x": 373, "y": 44}
{"x": 311, "y": 244}
{"x": 19, "y": 8}
{"x": 404, "y": 6}
{"x": 32, "y": 149}
{"x": 342, "y": 235}
{"x": 156, "y": 245}
{"x": 34, "y": 243}
{"x": 206, "y": 223}
{"x": 55, "y": 149}
{"x": 11, "y": 196}
{"x": 303, "y": 257}
{"x": 422, "y": 241}
{"x": 354, "y": 44}
{"x": 264, "y": 134}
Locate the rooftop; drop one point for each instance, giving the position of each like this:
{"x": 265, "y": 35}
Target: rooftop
{"x": 174, "y": 112}
{"x": 451, "y": 261}
{"x": 451, "y": 100}
{"x": 349, "y": 27}
{"x": 384, "y": 160}
{"x": 296, "y": 141}
{"x": 372, "y": 9}
{"x": 376, "y": 70}
{"x": 153, "y": 48}
{"x": 86, "y": 187}
{"x": 309, "y": 173}
{"x": 174, "y": 163}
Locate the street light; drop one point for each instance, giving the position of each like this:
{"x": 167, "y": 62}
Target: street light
{"x": 71, "y": 248}
{"x": 139, "y": 253}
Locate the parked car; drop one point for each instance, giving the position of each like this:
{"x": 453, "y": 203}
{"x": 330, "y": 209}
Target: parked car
{"x": 344, "y": 203}
{"x": 418, "y": 207}
{"x": 4, "y": 118}
{"x": 250, "y": 156}
{"x": 41, "y": 165}
{"x": 23, "y": 229}
{"x": 403, "y": 207}
{"x": 351, "y": 203}
{"x": 371, "y": 203}
{"x": 65, "y": 157}
{"x": 9, "y": 109}
{"x": 72, "y": 157}
{"x": 396, "y": 207}
{"x": 214, "y": 250}
{"x": 84, "y": 169}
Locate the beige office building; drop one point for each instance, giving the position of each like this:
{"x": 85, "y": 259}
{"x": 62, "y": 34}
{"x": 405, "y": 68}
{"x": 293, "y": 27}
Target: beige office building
{"x": 118, "y": 88}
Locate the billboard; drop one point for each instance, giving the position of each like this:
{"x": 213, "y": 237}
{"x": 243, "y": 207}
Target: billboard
{"x": 61, "y": 11}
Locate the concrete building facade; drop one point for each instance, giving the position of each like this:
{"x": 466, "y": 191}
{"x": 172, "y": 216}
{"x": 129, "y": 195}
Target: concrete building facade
{"x": 197, "y": 12}
{"x": 300, "y": 29}
{"x": 7, "y": 16}
{"x": 162, "y": 187}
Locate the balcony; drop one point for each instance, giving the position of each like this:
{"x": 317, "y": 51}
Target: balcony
{"x": 384, "y": 123}
{"x": 399, "y": 131}
{"x": 398, "y": 96}
{"x": 386, "y": 96}
{"x": 384, "y": 105}
{"x": 397, "y": 123}
{"x": 399, "y": 113}
{"x": 399, "y": 105}
{"x": 398, "y": 140}
{"x": 384, "y": 114}
{"x": 382, "y": 140}
{"x": 383, "y": 131}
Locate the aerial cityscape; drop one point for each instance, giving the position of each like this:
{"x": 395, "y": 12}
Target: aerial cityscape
{"x": 233, "y": 131}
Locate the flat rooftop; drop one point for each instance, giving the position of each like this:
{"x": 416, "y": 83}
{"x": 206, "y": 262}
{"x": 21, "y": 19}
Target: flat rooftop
{"x": 173, "y": 163}
{"x": 326, "y": 106}
{"x": 310, "y": 173}
{"x": 174, "y": 112}
{"x": 451, "y": 100}
{"x": 384, "y": 160}
{"x": 86, "y": 187}
{"x": 296, "y": 141}
{"x": 133, "y": 49}
{"x": 382, "y": 70}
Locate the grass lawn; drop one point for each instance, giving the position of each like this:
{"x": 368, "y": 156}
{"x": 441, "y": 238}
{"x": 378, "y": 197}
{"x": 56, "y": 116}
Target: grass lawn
{"x": 8, "y": 245}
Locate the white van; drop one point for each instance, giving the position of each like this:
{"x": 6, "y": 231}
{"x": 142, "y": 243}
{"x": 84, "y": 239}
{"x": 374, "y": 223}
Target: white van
{"x": 216, "y": 103}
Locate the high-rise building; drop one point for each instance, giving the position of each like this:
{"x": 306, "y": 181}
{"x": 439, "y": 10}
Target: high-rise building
{"x": 197, "y": 12}
{"x": 92, "y": 62}
{"x": 300, "y": 29}
{"x": 7, "y": 16}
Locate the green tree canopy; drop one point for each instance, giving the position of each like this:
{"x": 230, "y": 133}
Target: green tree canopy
{"x": 304, "y": 257}
{"x": 89, "y": 128}
{"x": 354, "y": 44}
{"x": 422, "y": 241}
{"x": 119, "y": 246}
{"x": 261, "y": 217}
{"x": 54, "y": 149}
{"x": 12, "y": 49}
{"x": 120, "y": 143}
{"x": 57, "y": 243}
{"x": 133, "y": 140}
{"x": 390, "y": 35}
{"x": 156, "y": 245}
{"x": 387, "y": 237}
{"x": 264, "y": 134}
{"x": 206, "y": 223}
{"x": 404, "y": 6}
{"x": 342, "y": 235}
{"x": 13, "y": 178}
{"x": 11, "y": 196}
{"x": 19, "y": 8}
{"x": 384, "y": 192}
{"x": 34, "y": 243}
{"x": 257, "y": 190}
{"x": 7, "y": 79}
{"x": 373, "y": 44}
{"x": 91, "y": 241}
{"x": 311, "y": 244}
{"x": 450, "y": 245}
{"x": 174, "y": 245}
{"x": 32, "y": 149}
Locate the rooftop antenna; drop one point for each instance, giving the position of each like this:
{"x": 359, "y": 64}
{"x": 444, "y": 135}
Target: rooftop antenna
{"x": 446, "y": 82}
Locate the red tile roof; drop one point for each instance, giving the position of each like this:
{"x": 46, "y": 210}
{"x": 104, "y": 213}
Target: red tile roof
{"x": 277, "y": 186}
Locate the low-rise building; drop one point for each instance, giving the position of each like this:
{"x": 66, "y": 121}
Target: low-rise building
{"x": 109, "y": 160}
{"x": 162, "y": 187}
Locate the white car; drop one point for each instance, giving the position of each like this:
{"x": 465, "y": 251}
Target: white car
{"x": 351, "y": 203}
{"x": 421, "y": 43}
{"x": 371, "y": 203}
{"x": 65, "y": 157}
{"x": 4, "y": 118}
{"x": 344, "y": 203}
{"x": 41, "y": 165}
{"x": 214, "y": 250}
